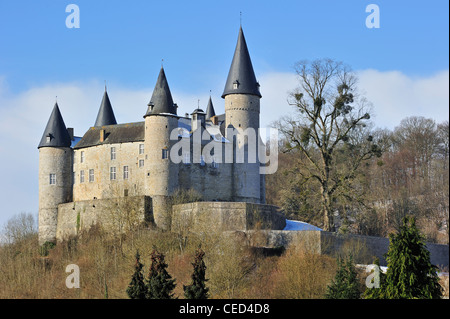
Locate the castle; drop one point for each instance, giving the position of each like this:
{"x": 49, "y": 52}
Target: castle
{"x": 152, "y": 159}
{"x": 120, "y": 174}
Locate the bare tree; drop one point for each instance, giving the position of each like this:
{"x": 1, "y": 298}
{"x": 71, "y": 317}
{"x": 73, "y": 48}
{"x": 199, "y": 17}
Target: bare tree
{"x": 330, "y": 113}
{"x": 19, "y": 227}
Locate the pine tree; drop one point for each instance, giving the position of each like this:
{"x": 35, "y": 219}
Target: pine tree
{"x": 345, "y": 284}
{"x": 159, "y": 284}
{"x": 136, "y": 289}
{"x": 198, "y": 289}
{"x": 410, "y": 273}
{"x": 376, "y": 292}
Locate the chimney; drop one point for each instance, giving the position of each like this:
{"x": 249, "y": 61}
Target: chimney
{"x": 70, "y": 131}
{"x": 102, "y": 135}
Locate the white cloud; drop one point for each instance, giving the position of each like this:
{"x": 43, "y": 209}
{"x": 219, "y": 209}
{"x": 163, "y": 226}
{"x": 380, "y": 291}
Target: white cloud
{"x": 23, "y": 116}
{"x": 275, "y": 88}
{"x": 396, "y": 96}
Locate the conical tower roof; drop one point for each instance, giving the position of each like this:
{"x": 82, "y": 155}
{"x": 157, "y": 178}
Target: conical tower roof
{"x": 210, "y": 109}
{"x": 241, "y": 77}
{"x": 105, "y": 114}
{"x": 161, "y": 101}
{"x": 55, "y": 133}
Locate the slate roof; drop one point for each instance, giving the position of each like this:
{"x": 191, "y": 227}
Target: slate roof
{"x": 120, "y": 133}
{"x": 210, "y": 109}
{"x": 105, "y": 114}
{"x": 241, "y": 71}
{"x": 56, "y": 131}
{"x": 161, "y": 101}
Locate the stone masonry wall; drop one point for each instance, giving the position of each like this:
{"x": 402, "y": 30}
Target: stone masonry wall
{"x": 117, "y": 215}
{"x": 226, "y": 216}
{"x": 363, "y": 248}
{"x": 99, "y": 159}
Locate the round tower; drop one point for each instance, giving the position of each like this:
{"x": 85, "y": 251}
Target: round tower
{"x": 242, "y": 107}
{"x": 161, "y": 178}
{"x": 55, "y": 174}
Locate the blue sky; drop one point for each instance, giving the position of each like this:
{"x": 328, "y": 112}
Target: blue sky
{"x": 124, "y": 41}
{"x": 403, "y": 65}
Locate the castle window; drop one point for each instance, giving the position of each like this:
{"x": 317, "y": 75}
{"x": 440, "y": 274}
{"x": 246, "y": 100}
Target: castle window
{"x": 235, "y": 84}
{"x": 81, "y": 176}
{"x": 113, "y": 153}
{"x": 165, "y": 153}
{"x": 91, "y": 175}
{"x": 112, "y": 173}
{"x": 82, "y": 157}
{"x": 141, "y": 148}
{"x": 52, "y": 179}
{"x": 141, "y": 163}
{"x": 125, "y": 172}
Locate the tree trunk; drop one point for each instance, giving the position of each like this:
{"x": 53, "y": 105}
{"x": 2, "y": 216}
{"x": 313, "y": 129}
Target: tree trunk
{"x": 327, "y": 217}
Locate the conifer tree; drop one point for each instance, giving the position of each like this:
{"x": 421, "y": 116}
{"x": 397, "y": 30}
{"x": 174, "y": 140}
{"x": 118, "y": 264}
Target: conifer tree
{"x": 345, "y": 284}
{"x": 136, "y": 289}
{"x": 375, "y": 292}
{"x": 198, "y": 289}
{"x": 410, "y": 273}
{"x": 159, "y": 284}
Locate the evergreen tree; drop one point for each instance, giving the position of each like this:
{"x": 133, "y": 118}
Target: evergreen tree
{"x": 376, "y": 292}
{"x": 345, "y": 284}
{"x": 410, "y": 273}
{"x": 136, "y": 289}
{"x": 159, "y": 284}
{"x": 197, "y": 290}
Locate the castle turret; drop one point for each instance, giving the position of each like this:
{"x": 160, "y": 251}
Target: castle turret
{"x": 105, "y": 114}
{"x": 210, "y": 112}
{"x": 242, "y": 107}
{"x": 161, "y": 178}
{"x": 55, "y": 174}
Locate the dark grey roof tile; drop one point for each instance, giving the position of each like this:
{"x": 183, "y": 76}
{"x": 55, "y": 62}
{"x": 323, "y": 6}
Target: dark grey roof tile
{"x": 105, "y": 114}
{"x": 120, "y": 133}
{"x": 241, "y": 77}
{"x": 55, "y": 133}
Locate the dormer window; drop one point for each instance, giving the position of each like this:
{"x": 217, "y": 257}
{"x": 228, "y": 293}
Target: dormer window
{"x": 49, "y": 138}
{"x": 235, "y": 85}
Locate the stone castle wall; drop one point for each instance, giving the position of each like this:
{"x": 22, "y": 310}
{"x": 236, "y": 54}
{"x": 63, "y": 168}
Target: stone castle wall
{"x": 226, "y": 216}
{"x": 259, "y": 225}
{"x": 117, "y": 215}
{"x": 363, "y": 248}
{"x": 99, "y": 159}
